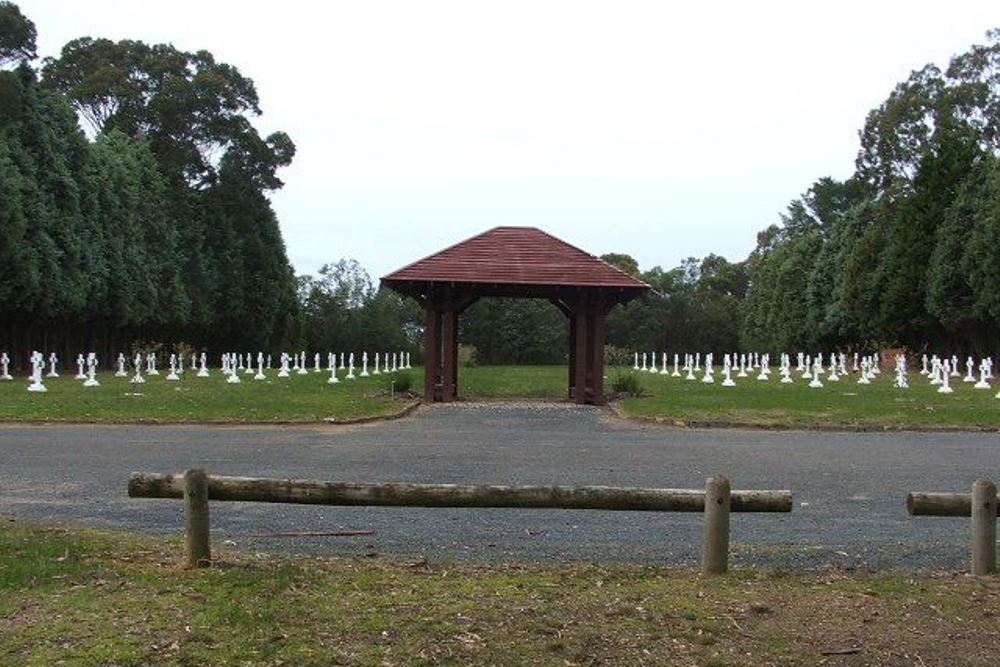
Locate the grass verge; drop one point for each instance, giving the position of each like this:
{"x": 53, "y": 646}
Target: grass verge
{"x": 83, "y": 597}
{"x": 843, "y": 404}
{"x": 298, "y": 398}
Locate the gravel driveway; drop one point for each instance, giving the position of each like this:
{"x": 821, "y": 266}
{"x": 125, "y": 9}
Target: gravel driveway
{"x": 849, "y": 488}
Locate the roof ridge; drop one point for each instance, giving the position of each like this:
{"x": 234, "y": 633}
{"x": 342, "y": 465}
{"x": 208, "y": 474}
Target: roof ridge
{"x": 516, "y": 255}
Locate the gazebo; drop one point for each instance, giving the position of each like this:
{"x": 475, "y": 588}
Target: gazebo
{"x": 521, "y": 262}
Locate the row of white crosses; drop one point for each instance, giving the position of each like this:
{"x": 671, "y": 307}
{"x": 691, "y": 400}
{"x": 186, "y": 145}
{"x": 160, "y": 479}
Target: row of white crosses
{"x": 38, "y": 366}
{"x": 231, "y": 365}
{"x": 868, "y": 367}
{"x": 942, "y": 370}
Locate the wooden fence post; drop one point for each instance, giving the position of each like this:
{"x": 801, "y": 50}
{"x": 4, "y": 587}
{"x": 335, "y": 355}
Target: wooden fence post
{"x": 984, "y": 527}
{"x": 199, "y": 553}
{"x": 715, "y": 551}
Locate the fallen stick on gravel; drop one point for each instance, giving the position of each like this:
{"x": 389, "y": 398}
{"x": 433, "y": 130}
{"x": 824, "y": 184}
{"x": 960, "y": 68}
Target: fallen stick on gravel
{"x": 318, "y": 533}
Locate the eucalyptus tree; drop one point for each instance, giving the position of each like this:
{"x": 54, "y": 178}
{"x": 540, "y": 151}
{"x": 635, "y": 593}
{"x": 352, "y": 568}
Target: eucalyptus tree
{"x": 17, "y": 35}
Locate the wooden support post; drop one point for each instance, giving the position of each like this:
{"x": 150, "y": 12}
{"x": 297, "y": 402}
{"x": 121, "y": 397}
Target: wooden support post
{"x": 199, "y": 552}
{"x": 984, "y": 527}
{"x": 572, "y": 354}
{"x": 715, "y": 552}
{"x": 580, "y": 365}
{"x": 449, "y": 355}
{"x": 432, "y": 353}
{"x": 597, "y": 367}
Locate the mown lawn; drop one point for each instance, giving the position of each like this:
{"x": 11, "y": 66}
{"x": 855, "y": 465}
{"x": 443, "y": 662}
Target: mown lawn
{"x": 307, "y": 398}
{"x": 81, "y": 597}
{"x": 837, "y": 404}
{"x": 299, "y": 398}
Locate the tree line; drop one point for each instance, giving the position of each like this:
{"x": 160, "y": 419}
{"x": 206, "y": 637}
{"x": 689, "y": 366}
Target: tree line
{"x": 904, "y": 252}
{"x": 154, "y": 224}
{"x": 133, "y": 208}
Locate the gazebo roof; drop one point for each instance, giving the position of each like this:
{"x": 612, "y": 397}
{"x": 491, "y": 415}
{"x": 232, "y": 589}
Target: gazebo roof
{"x": 515, "y": 256}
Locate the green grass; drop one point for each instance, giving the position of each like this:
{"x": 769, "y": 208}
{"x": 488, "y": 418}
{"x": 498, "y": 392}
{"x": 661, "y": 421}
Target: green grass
{"x": 81, "y": 597}
{"x": 307, "y": 398}
{"x": 297, "y": 398}
{"x": 836, "y": 404}
{"x": 536, "y": 382}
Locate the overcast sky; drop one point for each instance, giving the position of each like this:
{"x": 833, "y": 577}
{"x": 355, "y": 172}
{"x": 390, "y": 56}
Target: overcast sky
{"x": 639, "y": 127}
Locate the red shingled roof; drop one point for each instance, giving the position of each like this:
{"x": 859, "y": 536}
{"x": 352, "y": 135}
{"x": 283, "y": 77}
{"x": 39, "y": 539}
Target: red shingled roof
{"x": 516, "y": 255}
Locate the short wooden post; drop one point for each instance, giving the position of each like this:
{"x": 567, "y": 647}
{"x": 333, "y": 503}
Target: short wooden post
{"x": 715, "y": 551}
{"x": 199, "y": 553}
{"x": 984, "y": 527}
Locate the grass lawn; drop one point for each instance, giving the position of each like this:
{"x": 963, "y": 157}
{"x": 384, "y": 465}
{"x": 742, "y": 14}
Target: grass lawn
{"x": 836, "y": 404}
{"x": 308, "y": 398}
{"x": 296, "y": 398}
{"x": 80, "y": 597}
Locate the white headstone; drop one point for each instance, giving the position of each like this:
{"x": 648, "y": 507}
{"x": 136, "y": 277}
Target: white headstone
{"x": 727, "y": 370}
{"x": 945, "y": 387}
{"x": 786, "y": 369}
{"x": 635, "y": 366}
{"x": 935, "y": 373}
{"x": 676, "y": 373}
{"x": 815, "y": 383}
{"x": 924, "y": 370}
{"x": 260, "y": 367}
{"x": 91, "y": 380}
{"x": 151, "y": 364}
{"x": 376, "y": 370}
{"x": 663, "y": 365}
{"x": 983, "y": 383}
{"x": 283, "y": 373}
{"x": 832, "y": 374}
{"x": 969, "y": 376}
{"x": 350, "y": 365}
{"x": 173, "y": 368}
{"x": 80, "y": 363}
{"x": 137, "y": 378}
{"x": 53, "y": 360}
{"x": 234, "y": 364}
{"x": 302, "y": 364}
{"x": 708, "y": 377}
{"x": 644, "y": 368}
{"x": 316, "y": 366}
{"x": 364, "y": 364}
{"x": 37, "y": 366}
{"x": 5, "y": 367}
{"x": 765, "y": 368}
{"x": 203, "y": 367}
{"x": 901, "y": 381}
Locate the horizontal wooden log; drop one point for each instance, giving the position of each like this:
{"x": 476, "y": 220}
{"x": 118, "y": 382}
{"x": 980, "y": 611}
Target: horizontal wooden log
{"x": 311, "y": 492}
{"x": 939, "y": 504}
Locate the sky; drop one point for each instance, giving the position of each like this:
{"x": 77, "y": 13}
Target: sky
{"x": 655, "y": 129}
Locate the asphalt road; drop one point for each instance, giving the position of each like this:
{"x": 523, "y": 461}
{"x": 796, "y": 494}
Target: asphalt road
{"x": 849, "y": 488}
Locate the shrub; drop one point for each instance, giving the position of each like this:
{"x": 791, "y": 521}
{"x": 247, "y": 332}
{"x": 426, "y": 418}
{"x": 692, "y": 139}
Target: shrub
{"x": 399, "y": 382}
{"x": 467, "y": 355}
{"x": 626, "y": 384}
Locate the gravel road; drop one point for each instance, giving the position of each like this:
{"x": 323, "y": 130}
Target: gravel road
{"x": 849, "y": 488}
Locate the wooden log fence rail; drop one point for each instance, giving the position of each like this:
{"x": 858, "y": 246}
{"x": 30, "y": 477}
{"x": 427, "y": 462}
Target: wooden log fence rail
{"x": 981, "y": 505}
{"x": 197, "y": 488}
